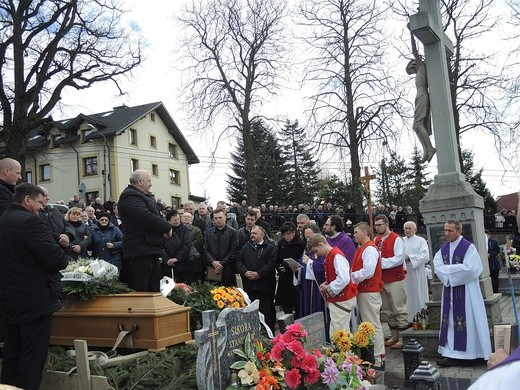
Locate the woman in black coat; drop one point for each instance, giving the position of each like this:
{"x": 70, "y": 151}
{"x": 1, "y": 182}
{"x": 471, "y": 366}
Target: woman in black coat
{"x": 83, "y": 239}
{"x": 290, "y": 246}
{"x": 177, "y": 249}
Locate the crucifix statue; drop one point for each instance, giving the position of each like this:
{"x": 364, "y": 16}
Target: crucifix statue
{"x": 365, "y": 180}
{"x": 427, "y": 27}
{"x": 450, "y": 196}
{"x": 422, "y": 116}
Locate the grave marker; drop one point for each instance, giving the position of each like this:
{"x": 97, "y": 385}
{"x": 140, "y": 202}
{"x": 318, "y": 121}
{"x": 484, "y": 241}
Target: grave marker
{"x": 218, "y": 338}
{"x": 315, "y": 327}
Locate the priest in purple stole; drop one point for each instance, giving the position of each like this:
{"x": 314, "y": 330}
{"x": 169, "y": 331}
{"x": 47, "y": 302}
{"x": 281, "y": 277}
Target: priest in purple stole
{"x": 464, "y": 331}
{"x": 312, "y": 275}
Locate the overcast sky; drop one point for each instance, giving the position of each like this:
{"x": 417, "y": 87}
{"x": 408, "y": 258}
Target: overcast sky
{"x": 158, "y": 80}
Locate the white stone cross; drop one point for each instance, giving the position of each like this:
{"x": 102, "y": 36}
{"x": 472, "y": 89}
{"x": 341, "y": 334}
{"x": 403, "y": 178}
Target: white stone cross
{"x": 426, "y": 25}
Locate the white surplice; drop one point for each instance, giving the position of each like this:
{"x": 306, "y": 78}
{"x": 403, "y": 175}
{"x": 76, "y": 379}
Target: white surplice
{"x": 467, "y": 273}
{"x": 416, "y": 283}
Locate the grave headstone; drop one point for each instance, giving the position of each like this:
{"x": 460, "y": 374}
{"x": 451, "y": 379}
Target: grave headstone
{"x": 283, "y": 321}
{"x": 315, "y": 327}
{"x": 218, "y": 338}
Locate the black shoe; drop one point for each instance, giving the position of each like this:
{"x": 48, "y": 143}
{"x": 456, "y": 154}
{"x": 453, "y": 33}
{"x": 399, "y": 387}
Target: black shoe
{"x": 448, "y": 362}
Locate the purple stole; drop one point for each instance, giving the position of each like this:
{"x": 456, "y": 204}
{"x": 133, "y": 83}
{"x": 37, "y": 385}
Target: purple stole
{"x": 459, "y": 300}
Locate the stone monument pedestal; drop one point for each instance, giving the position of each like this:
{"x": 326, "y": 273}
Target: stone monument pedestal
{"x": 445, "y": 200}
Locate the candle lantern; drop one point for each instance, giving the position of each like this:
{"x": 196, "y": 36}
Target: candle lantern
{"x": 413, "y": 356}
{"x": 426, "y": 377}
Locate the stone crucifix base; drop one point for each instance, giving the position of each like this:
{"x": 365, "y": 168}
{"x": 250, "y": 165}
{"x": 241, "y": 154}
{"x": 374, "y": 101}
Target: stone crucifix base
{"x": 429, "y": 338}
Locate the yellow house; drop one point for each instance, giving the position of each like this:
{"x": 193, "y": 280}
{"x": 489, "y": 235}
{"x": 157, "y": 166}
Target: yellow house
{"x": 94, "y": 155}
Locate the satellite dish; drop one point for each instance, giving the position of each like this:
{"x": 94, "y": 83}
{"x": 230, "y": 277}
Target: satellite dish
{"x": 82, "y": 189}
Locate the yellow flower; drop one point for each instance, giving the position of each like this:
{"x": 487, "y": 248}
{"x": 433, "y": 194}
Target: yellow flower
{"x": 235, "y": 305}
{"x": 220, "y": 304}
{"x": 367, "y": 328}
{"x": 217, "y": 297}
{"x": 360, "y": 339}
{"x": 249, "y": 374}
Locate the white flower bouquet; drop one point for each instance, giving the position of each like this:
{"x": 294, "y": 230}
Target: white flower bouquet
{"x": 88, "y": 278}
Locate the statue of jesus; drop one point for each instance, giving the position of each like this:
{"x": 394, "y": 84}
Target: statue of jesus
{"x": 422, "y": 118}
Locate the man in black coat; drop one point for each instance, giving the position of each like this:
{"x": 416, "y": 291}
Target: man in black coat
{"x": 145, "y": 233}
{"x": 494, "y": 263}
{"x": 62, "y": 231}
{"x": 221, "y": 247}
{"x": 30, "y": 287}
{"x": 256, "y": 263}
{"x": 10, "y": 173}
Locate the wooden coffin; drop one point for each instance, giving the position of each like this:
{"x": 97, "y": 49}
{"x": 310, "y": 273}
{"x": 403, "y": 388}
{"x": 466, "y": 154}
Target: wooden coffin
{"x": 157, "y": 321}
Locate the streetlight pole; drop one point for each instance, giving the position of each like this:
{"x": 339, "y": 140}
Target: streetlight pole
{"x": 104, "y": 173}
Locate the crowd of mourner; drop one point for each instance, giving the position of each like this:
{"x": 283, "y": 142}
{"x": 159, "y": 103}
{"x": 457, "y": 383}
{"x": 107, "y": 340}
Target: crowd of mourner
{"x": 302, "y": 259}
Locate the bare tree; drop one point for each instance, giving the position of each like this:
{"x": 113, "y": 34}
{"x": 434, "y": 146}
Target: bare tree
{"x": 48, "y": 45}
{"x": 474, "y": 79}
{"x": 357, "y": 97}
{"x": 235, "y": 49}
{"x": 512, "y": 86}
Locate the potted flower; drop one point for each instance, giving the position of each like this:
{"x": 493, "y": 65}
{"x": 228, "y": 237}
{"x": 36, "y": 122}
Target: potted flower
{"x": 360, "y": 343}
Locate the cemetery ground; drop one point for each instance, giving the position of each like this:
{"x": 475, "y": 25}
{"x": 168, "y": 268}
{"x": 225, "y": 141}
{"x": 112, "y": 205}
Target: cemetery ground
{"x": 175, "y": 367}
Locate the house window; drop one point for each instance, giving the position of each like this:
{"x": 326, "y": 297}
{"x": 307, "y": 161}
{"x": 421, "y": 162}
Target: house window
{"x": 90, "y": 166}
{"x": 91, "y": 196}
{"x": 135, "y": 164}
{"x": 155, "y": 170}
{"x": 176, "y": 202}
{"x": 45, "y": 172}
{"x": 133, "y": 137}
{"x": 153, "y": 142}
{"x": 28, "y": 177}
{"x": 152, "y": 117}
{"x": 172, "y": 151}
{"x": 174, "y": 177}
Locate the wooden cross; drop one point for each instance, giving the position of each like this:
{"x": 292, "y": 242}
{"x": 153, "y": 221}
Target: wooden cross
{"x": 365, "y": 180}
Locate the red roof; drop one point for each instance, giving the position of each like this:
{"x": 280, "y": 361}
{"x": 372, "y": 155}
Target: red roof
{"x": 508, "y": 202}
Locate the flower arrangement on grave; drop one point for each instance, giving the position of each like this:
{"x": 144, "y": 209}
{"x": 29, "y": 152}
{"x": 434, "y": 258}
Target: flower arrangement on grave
{"x": 362, "y": 339}
{"x": 288, "y": 365}
{"x": 202, "y": 296}
{"x": 88, "y": 278}
{"x": 514, "y": 263}
{"x": 228, "y": 297}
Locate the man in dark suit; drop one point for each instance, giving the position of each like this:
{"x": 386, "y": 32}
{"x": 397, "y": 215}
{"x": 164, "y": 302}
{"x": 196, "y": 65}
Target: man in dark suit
{"x": 256, "y": 263}
{"x": 493, "y": 250}
{"x": 145, "y": 232}
{"x": 30, "y": 287}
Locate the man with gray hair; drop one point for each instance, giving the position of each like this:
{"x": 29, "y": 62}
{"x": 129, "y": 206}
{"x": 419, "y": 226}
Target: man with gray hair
{"x": 10, "y": 173}
{"x": 416, "y": 256}
{"x": 302, "y": 221}
{"x": 145, "y": 231}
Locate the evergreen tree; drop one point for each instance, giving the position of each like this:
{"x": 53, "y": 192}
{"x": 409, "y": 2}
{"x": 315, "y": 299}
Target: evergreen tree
{"x": 417, "y": 183}
{"x": 391, "y": 175}
{"x": 301, "y": 165}
{"x": 332, "y": 189}
{"x": 269, "y": 167}
{"x": 475, "y": 179}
